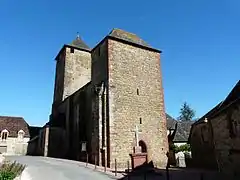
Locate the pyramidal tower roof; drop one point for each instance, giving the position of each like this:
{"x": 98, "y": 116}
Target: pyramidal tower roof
{"x": 79, "y": 43}
{"x": 127, "y": 36}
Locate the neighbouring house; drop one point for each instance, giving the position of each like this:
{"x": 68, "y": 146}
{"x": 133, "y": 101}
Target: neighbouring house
{"x": 109, "y": 103}
{"x": 14, "y": 135}
{"x": 215, "y": 138}
{"x": 178, "y": 133}
{"x": 182, "y": 132}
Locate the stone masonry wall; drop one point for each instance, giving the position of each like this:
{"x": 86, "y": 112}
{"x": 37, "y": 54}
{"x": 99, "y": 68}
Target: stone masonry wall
{"x": 98, "y": 75}
{"x": 77, "y": 71}
{"x": 202, "y": 147}
{"x": 14, "y": 146}
{"x": 88, "y": 117}
{"x": 222, "y": 139}
{"x": 222, "y": 149}
{"x": 59, "y": 78}
{"x": 81, "y": 118}
{"x": 57, "y": 138}
{"x": 226, "y": 133}
{"x": 135, "y": 91}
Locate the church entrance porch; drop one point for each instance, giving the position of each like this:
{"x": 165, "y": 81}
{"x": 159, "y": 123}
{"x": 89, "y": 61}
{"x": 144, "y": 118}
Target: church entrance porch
{"x": 139, "y": 157}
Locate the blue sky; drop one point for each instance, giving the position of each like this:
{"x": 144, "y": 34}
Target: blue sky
{"x": 200, "y": 40}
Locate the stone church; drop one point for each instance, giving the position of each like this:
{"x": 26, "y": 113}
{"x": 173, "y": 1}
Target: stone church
{"x": 109, "y": 101}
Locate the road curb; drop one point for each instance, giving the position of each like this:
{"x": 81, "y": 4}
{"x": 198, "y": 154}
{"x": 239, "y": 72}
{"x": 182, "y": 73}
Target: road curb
{"x": 109, "y": 172}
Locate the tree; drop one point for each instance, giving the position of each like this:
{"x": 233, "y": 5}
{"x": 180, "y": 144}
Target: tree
{"x": 186, "y": 113}
{"x": 182, "y": 148}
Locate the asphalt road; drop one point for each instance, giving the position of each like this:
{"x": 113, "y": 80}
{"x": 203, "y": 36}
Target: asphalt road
{"x": 41, "y": 168}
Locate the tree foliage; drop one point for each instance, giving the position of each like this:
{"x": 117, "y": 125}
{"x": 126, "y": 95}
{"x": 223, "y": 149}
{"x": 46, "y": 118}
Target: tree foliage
{"x": 186, "y": 113}
{"x": 182, "y": 148}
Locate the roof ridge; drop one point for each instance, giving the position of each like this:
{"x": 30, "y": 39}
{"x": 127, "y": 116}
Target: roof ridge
{"x": 11, "y": 116}
{"x": 118, "y": 29}
{"x": 128, "y": 36}
{"x": 229, "y": 95}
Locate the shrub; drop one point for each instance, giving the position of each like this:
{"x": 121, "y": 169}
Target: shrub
{"x": 183, "y": 148}
{"x": 9, "y": 171}
{"x": 7, "y": 175}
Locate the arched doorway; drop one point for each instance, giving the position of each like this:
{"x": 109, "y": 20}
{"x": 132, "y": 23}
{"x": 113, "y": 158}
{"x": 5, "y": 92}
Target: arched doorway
{"x": 139, "y": 158}
{"x": 143, "y": 146}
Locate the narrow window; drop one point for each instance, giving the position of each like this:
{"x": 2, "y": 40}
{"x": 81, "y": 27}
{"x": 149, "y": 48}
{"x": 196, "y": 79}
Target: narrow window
{"x": 140, "y": 120}
{"x": 4, "y": 135}
{"x": 137, "y": 91}
{"x": 72, "y": 50}
{"x": 99, "y": 51}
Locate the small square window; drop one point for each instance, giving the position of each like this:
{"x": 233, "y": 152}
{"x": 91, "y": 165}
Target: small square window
{"x": 72, "y": 50}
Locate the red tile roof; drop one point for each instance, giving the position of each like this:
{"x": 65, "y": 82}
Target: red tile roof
{"x": 13, "y": 125}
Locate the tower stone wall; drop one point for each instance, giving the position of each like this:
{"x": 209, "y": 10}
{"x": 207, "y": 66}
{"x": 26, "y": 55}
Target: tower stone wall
{"x": 136, "y": 98}
{"x": 59, "y": 77}
{"x": 73, "y": 71}
{"x": 99, "y": 77}
{"x": 77, "y": 71}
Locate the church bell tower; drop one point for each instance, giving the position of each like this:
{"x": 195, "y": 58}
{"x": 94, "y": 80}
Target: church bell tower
{"x": 73, "y": 69}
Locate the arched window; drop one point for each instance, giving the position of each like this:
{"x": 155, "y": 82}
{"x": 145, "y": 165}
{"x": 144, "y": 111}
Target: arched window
{"x": 4, "y": 134}
{"x": 21, "y": 134}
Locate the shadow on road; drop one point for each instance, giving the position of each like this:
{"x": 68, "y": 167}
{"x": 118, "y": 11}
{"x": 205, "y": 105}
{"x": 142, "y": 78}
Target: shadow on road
{"x": 149, "y": 172}
{"x": 145, "y": 171}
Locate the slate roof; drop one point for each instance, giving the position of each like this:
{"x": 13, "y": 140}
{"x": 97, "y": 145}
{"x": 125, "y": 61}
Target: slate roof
{"x": 13, "y": 125}
{"x": 183, "y": 128}
{"x": 210, "y": 113}
{"x": 79, "y": 43}
{"x": 127, "y": 36}
{"x": 232, "y": 96}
